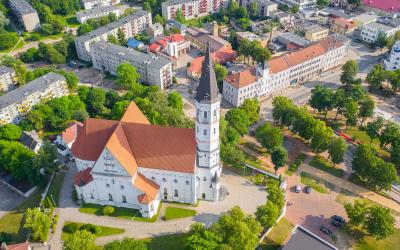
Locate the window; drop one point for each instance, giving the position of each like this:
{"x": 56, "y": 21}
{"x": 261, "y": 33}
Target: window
{"x": 163, "y": 179}
{"x": 153, "y": 178}
{"x": 175, "y": 181}
{"x": 107, "y": 185}
{"x": 187, "y": 182}
{"x": 175, "y": 192}
{"x": 215, "y": 130}
{"x": 112, "y": 181}
{"x": 204, "y": 178}
{"x": 205, "y": 132}
{"x": 91, "y": 196}
{"x": 110, "y": 198}
{"x": 122, "y": 187}
{"x": 123, "y": 199}
{"x": 205, "y": 114}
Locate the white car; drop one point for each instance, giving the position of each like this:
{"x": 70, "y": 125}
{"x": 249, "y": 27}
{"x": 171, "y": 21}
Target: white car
{"x": 298, "y": 188}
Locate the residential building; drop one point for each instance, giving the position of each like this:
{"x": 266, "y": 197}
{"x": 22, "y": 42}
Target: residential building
{"x": 155, "y": 30}
{"x": 371, "y": 31}
{"x": 25, "y": 14}
{"x": 31, "y": 140}
{"x": 303, "y": 239}
{"x": 131, "y": 25}
{"x": 251, "y": 37}
{"x": 303, "y": 4}
{"x": 364, "y": 18}
{"x": 153, "y": 70}
{"x": 172, "y": 24}
{"x": 65, "y": 140}
{"x": 287, "y": 70}
{"x": 7, "y": 78}
{"x": 135, "y": 44}
{"x": 90, "y": 4}
{"x": 190, "y": 8}
{"x": 292, "y": 41}
{"x": 17, "y": 102}
{"x": 132, "y": 163}
{"x": 316, "y": 33}
{"x": 381, "y": 7}
{"x": 265, "y": 7}
{"x": 342, "y": 26}
{"x": 200, "y": 38}
{"x": 83, "y": 16}
{"x": 19, "y": 246}
{"x": 393, "y": 60}
{"x": 170, "y": 48}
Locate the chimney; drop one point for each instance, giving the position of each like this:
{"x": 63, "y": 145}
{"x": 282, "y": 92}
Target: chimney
{"x": 215, "y": 29}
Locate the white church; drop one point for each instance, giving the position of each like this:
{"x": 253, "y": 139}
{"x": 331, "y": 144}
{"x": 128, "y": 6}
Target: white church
{"x": 132, "y": 163}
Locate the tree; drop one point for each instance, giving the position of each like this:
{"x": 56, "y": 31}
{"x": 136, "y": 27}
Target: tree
{"x": 201, "y": 238}
{"x": 80, "y": 240}
{"x": 293, "y": 10}
{"x": 339, "y": 100}
{"x": 179, "y": 16}
{"x": 321, "y": 138}
{"x": 10, "y": 132}
{"x": 390, "y": 134}
{"x": 383, "y": 174}
{"x": 381, "y": 41}
{"x": 351, "y": 112}
{"x": 31, "y": 55}
{"x": 349, "y": 72}
{"x": 38, "y": 223}
{"x": 125, "y": 244}
{"x": 108, "y": 210}
{"x": 252, "y": 108}
{"x": 379, "y": 222}
{"x": 175, "y": 101}
{"x": 146, "y": 6}
{"x": 232, "y": 156}
{"x": 267, "y": 214}
{"x": 356, "y": 3}
{"x": 46, "y": 158}
{"x": 270, "y": 137}
{"x": 239, "y": 120}
{"x": 121, "y": 37}
{"x": 356, "y": 212}
{"x": 322, "y": 3}
{"x": 394, "y": 79}
{"x": 276, "y": 196}
{"x": 367, "y": 106}
{"x": 127, "y": 76}
{"x": 7, "y": 39}
{"x": 337, "y": 149}
{"x": 118, "y": 109}
{"x": 376, "y": 76}
{"x": 3, "y": 20}
{"x": 95, "y": 101}
{"x": 322, "y": 99}
{"x": 220, "y": 73}
{"x": 159, "y": 19}
{"x": 112, "y": 39}
{"x": 279, "y": 157}
{"x": 375, "y": 128}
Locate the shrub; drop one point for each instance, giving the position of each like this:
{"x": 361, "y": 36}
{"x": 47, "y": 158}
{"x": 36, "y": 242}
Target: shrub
{"x": 54, "y": 225}
{"x": 90, "y": 228}
{"x": 108, "y": 210}
{"x": 71, "y": 228}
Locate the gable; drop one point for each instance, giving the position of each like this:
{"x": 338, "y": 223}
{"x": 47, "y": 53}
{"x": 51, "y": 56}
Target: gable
{"x": 108, "y": 164}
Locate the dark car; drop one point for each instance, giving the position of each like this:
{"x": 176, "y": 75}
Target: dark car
{"x": 338, "y": 219}
{"x": 326, "y": 230}
{"x": 336, "y": 223}
{"x": 307, "y": 189}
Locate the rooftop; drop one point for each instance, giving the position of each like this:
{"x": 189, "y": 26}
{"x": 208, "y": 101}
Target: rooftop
{"x": 289, "y": 37}
{"x": 316, "y": 29}
{"x": 378, "y": 26}
{"x": 5, "y": 69}
{"x": 249, "y": 36}
{"x": 37, "y": 85}
{"x": 173, "y": 2}
{"x": 302, "y": 239}
{"x": 216, "y": 43}
{"x": 337, "y": 12}
{"x": 112, "y": 26}
{"x": 386, "y": 5}
{"x": 97, "y": 10}
{"x": 23, "y": 6}
{"x": 242, "y": 78}
{"x": 365, "y": 17}
{"x": 178, "y": 25}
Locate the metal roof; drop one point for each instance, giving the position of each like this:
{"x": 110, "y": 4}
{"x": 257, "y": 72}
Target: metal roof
{"x": 5, "y": 69}
{"x": 97, "y": 10}
{"x": 22, "y": 6}
{"x": 302, "y": 239}
{"x": 207, "y": 91}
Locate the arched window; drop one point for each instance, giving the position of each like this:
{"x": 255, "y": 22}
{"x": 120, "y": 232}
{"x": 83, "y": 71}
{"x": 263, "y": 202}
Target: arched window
{"x": 123, "y": 198}
{"x": 175, "y": 192}
{"x": 110, "y": 198}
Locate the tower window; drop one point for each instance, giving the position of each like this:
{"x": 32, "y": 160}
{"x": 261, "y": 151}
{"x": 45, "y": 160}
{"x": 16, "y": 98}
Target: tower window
{"x": 205, "y": 114}
{"x": 107, "y": 185}
{"x": 205, "y": 132}
{"x": 214, "y": 131}
{"x": 123, "y": 199}
{"x": 175, "y": 192}
{"x": 175, "y": 181}
{"x": 204, "y": 178}
{"x": 122, "y": 187}
{"x": 110, "y": 198}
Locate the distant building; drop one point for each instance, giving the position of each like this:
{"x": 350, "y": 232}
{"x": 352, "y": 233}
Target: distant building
{"x": 342, "y": 26}
{"x": 251, "y": 37}
{"x": 155, "y": 30}
{"x": 190, "y": 8}
{"x": 364, "y": 18}
{"x": 153, "y": 70}
{"x": 89, "y": 4}
{"x": 131, "y": 25}
{"x": 265, "y": 7}
{"x": 381, "y": 7}
{"x": 135, "y": 44}
{"x": 26, "y": 14}
{"x": 84, "y": 16}
{"x": 17, "y": 102}
{"x": 303, "y": 4}
{"x": 199, "y": 38}
{"x": 172, "y": 24}
{"x": 31, "y": 140}
{"x": 292, "y": 41}
{"x": 316, "y": 33}
{"x": 371, "y": 31}
{"x": 393, "y": 60}
{"x": 170, "y": 47}
{"x": 7, "y": 78}
{"x": 19, "y": 246}
{"x": 302, "y": 239}
{"x": 65, "y": 140}
{"x": 287, "y": 70}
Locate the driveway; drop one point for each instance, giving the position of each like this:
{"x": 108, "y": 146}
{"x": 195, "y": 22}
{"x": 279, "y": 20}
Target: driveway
{"x": 238, "y": 187}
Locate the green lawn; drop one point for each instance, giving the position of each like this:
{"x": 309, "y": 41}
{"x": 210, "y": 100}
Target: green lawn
{"x": 325, "y": 165}
{"x": 55, "y": 187}
{"x": 120, "y": 212}
{"x": 176, "y": 213}
{"x": 70, "y": 20}
{"x": 316, "y": 183}
{"x": 105, "y": 231}
{"x": 390, "y": 243}
{"x": 167, "y": 242}
{"x": 11, "y": 223}
{"x": 277, "y": 236}
{"x": 360, "y": 135}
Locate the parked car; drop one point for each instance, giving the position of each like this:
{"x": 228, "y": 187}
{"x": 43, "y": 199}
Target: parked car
{"x": 307, "y": 189}
{"x": 336, "y": 223}
{"x": 338, "y": 219}
{"x": 326, "y": 230}
{"x": 297, "y": 188}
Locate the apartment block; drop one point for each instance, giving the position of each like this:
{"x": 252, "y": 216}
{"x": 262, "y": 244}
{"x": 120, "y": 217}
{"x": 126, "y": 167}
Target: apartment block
{"x": 25, "y": 14}
{"x": 284, "y": 71}
{"x": 371, "y": 31}
{"x": 153, "y": 70}
{"x": 393, "y": 60}
{"x": 303, "y": 4}
{"x": 7, "y": 77}
{"x": 83, "y": 16}
{"x": 265, "y": 8}
{"x": 16, "y": 103}
{"x": 90, "y": 4}
{"x": 342, "y": 26}
{"x": 131, "y": 25}
{"x": 316, "y": 33}
{"x": 190, "y": 8}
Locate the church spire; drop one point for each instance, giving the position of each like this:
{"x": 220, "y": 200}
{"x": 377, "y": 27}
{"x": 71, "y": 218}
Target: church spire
{"x": 207, "y": 91}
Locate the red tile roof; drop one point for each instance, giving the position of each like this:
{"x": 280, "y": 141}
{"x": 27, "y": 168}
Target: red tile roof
{"x": 83, "y": 177}
{"x": 133, "y": 114}
{"x": 242, "y": 78}
{"x": 221, "y": 56}
{"x": 71, "y": 131}
{"x": 154, "y": 47}
{"x": 148, "y": 187}
{"x": 386, "y": 5}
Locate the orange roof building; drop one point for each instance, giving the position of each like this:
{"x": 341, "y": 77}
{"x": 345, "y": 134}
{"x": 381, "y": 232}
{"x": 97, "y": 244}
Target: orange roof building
{"x": 287, "y": 70}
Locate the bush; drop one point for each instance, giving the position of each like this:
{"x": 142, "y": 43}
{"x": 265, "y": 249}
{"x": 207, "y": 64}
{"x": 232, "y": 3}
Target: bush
{"x": 295, "y": 165}
{"x": 108, "y": 210}
{"x": 91, "y": 228}
{"x": 54, "y": 225}
{"x": 70, "y": 228}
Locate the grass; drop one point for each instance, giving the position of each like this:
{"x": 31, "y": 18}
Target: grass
{"x": 390, "y": 243}
{"x": 316, "y": 183}
{"x": 70, "y": 20}
{"x": 55, "y": 187}
{"x": 11, "y": 223}
{"x": 325, "y": 165}
{"x": 278, "y": 234}
{"x": 120, "y": 212}
{"x": 172, "y": 213}
{"x": 360, "y": 135}
{"x": 105, "y": 231}
{"x": 166, "y": 242}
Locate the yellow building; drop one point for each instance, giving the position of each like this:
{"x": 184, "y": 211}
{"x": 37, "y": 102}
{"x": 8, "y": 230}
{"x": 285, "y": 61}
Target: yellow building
{"x": 316, "y": 33}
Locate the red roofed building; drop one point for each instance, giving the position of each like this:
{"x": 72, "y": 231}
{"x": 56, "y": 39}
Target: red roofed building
{"x": 382, "y": 6}
{"x": 342, "y": 26}
{"x": 170, "y": 47}
{"x": 19, "y": 246}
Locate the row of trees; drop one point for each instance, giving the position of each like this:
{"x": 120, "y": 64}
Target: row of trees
{"x": 51, "y": 24}
{"x": 378, "y": 78}
{"x": 268, "y": 213}
{"x": 254, "y": 50}
{"x": 7, "y": 39}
